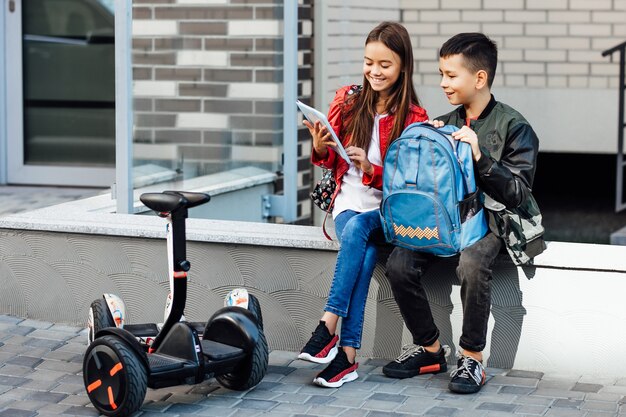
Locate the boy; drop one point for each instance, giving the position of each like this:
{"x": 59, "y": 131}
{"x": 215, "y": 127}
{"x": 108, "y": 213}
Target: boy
{"x": 504, "y": 149}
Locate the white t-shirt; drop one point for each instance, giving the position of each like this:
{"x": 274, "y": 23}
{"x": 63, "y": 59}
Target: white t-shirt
{"x": 353, "y": 195}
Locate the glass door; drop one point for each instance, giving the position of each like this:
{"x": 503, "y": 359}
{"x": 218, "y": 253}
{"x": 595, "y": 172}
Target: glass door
{"x": 60, "y": 92}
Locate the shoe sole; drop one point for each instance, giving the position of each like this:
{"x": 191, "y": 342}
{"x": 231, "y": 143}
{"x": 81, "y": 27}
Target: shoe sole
{"x": 464, "y": 388}
{"x": 347, "y": 378}
{"x": 326, "y": 359}
{"x": 431, "y": 369}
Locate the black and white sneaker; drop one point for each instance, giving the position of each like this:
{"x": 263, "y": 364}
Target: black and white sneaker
{"x": 338, "y": 372}
{"x": 321, "y": 347}
{"x": 469, "y": 376}
{"x": 415, "y": 360}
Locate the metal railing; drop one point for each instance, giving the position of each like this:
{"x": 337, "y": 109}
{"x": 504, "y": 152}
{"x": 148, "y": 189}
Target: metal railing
{"x": 619, "y": 197}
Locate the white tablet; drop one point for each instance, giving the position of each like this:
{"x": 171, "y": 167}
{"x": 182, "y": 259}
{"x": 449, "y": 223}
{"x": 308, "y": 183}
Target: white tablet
{"x": 313, "y": 116}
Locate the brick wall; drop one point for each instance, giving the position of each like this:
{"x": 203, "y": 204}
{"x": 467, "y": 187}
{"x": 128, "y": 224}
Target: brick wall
{"x": 208, "y": 84}
{"x": 542, "y": 43}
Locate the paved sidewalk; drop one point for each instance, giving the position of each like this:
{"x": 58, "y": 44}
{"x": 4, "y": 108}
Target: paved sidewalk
{"x": 40, "y": 375}
{"x": 18, "y": 199}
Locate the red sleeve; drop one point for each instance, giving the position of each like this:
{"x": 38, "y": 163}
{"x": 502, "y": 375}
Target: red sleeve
{"x": 334, "y": 118}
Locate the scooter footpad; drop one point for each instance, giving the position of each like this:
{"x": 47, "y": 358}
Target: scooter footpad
{"x": 161, "y": 363}
{"x": 216, "y": 351}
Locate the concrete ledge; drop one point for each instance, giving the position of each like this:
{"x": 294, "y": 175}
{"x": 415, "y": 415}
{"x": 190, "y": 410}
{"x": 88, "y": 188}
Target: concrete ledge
{"x": 55, "y": 261}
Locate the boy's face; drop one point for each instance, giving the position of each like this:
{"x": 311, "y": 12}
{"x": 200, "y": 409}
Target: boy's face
{"x": 381, "y": 67}
{"x": 458, "y": 83}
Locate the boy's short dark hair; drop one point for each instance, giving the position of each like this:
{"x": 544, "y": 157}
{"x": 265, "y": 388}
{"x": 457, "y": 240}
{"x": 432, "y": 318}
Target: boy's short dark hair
{"x": 479, "y": 52}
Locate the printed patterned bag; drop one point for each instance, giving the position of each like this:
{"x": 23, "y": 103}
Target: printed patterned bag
{"x": 324, "y": 191}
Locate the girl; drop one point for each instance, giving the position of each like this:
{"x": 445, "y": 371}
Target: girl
{"x": 366, "y": 119}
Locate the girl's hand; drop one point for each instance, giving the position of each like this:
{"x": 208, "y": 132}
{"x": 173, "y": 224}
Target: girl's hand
{"x": 321, "y": 137}
{"x": 465, "y": 134}
{"x": 359, "y": 158}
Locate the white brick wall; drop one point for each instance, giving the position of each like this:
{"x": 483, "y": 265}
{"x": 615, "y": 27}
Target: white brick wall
{"x": 542, "y": 43}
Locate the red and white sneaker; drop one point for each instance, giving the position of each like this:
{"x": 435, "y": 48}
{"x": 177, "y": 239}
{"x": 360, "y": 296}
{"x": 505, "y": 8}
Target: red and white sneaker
{"x": 321, "y": 347}
{"x": 338, "y": 372}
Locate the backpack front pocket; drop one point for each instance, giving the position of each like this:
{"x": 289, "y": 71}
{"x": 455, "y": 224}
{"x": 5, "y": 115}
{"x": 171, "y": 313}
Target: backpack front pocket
{"x": 415, "y": 220}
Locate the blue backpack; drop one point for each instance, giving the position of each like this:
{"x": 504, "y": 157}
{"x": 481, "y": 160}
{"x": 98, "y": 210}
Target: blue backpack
{"x": 430, "y": 199}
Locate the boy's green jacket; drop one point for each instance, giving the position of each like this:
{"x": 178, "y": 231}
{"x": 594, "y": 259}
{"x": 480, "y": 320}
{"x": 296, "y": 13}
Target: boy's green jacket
{"x": 506, "y": 171}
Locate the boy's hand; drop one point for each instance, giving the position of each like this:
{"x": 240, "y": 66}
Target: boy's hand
{"x": 321, "y": 137}
{"x": 359, "y": 158}
{"x": 465, "y": 134}
{"x": 436, "y": 123}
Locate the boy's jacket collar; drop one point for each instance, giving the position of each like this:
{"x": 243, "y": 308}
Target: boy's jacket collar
{"x": 492, "y": 103}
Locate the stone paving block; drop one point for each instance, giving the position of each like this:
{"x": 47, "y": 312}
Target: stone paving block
{"x": 283, "y": 370}
{"x": 181, "y": 408}
{"x": 291, "y": 408}
{"x": 14, "y": 412}
{"x": 37, "y": 324}
{"x": 388, "y": 397}
{"x": 567, "y": 403}
{"x": 292, "y": 398}
{"x": 514, "y": 381}
{"x": 556, "y": 384}
{"x": 286, "y": 388}
{"x": 586, "y": 387}
{"x": 600, "y": 406}
{"x": 20, "y": 330}
{"x": 60, "y": 355}
{"x": 28, "y": 361}
{"x": 60, "y": 366}
{"x": 82, "y": 411}
{"x": 418, "y": 406}
{"x": 219, "y": 401}
{"x": 390, "y": 388}
{"x": 558, "y": 393}
{"x": 353, "y": 412}
{"x": 508, "y": 408}
{"x": 614, "y": 389}
{"x": 13, "y": 381}
{"x": 52, "y": 409}
{"x": 533, "y": 410}
{"x": 63, "y": 328}
{"x": 157, "y": 406}
{"x": 506, "y": 389}
{"x": 603, "y": 397}
{"x": 43, "y": 343}
{"x": 320, "y": 400}
{"x": 359, "y": 386}
{"x": 10, "y": 319}
{"x": 216, "y": 412}
{"x": 71, "y": 389}
{"x": 311, "y": 389}
{"x": 565, "y": 412}
{"x": 442, "y": 411}
{"x": 14, "y": 370}
{"x": 386, "y": 414}
{"x": 348, "y": 402}
{"x": 600, "y": 414}
{"x": 524, "y": 374}
{"x": 257, "y": 404}
{"x": 185, "y": 398}
{"x": 380, "y": 379}
{"x": 261, "y": 395}
{"x": 325, "y": 410}
{"x": 380, "y": 405}
{"x": 78, "y": 400}
{"x": 48, "y": 397}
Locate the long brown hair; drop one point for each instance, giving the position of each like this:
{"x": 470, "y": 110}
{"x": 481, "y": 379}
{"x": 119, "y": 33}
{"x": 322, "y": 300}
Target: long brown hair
{"x": 360, "y": 109}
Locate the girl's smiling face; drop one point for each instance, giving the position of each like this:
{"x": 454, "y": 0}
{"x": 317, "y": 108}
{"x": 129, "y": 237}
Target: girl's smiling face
{"x": 381, "y": 67}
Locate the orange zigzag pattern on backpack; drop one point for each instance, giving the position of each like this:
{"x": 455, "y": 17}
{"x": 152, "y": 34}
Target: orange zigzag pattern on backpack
{"x": 417, "y": 232}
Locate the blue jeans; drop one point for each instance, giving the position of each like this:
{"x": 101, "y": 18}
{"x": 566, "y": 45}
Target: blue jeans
{"x": 357, "y": 233}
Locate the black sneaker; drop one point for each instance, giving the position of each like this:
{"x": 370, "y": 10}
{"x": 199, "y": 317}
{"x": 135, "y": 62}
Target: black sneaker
{"x": 321, "y": 347}
{"x": 469, "y": 376}
{"x": 415, "y": 360}
{"x": 338, "y": 372}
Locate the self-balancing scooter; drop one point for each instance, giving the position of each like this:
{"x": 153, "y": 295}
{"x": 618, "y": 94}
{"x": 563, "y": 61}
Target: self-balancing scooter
{"x": 118, "y": 367}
